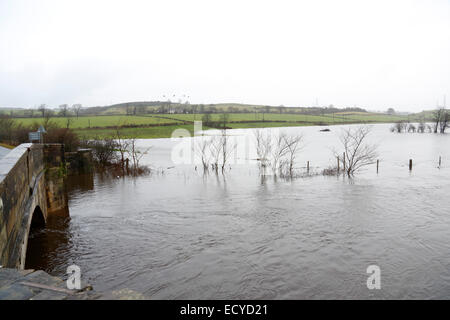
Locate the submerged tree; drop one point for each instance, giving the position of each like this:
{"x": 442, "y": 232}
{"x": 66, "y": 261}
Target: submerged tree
{"x": 215, "y": 151}
{"x": 421, "y": 127}
{"x": 278, "y": 151}
{"x": 293, "y": 145}
{"x": 399, "y": 127}
{"x": 357, "y": 152}
{"x": 202, "y": 148}
{"x": 123, "y": 143}
{"x": 441, "y": 120}
{"x": 412, "y": 128}
{"x": 445, "y": 121}
{"x": 263, "y": 149}
{"x": 227, "y": 148}
{"x": 136, "y": 155}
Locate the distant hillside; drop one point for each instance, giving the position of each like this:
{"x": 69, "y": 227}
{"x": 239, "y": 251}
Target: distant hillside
{"x": 152, "y": 107}
{"x": 425, "y": 115}
{"x": 167, "y": 107}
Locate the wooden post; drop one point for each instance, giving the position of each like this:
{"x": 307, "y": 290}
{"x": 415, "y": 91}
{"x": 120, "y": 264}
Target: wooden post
{"x": 307, "y": 167}
{"x": 343, "y": 161}
{"x": 440, "y": 161}
{"x": 337, "y": 165}
{"x": 410, "y": 164}
{"x": 378, "y": 164}
{"x": 127, "y": 162}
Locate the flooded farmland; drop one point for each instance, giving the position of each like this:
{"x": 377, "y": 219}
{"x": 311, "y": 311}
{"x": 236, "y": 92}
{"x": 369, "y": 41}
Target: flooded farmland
{"x": 180, "y": 234}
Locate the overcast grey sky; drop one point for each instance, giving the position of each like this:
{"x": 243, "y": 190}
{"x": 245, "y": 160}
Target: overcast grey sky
{"x": 375, "y": 54}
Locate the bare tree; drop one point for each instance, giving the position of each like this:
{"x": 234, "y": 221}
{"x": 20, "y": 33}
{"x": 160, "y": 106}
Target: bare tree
{"x": 63, "y": 109}
{"x": 412, "y": 128}
{"x": 227, "y": 148}
{"x": 202, "y": 147}
{"x": 441, "y": 119}
{"x": 421, "y": 127}
{"x": 135, "y": 154}
{"x": 123, "y": 143}
{"x": 399, "y": 127}
{"x": 357, "y": 153}
{"x": 42, "y": 108}
{"x": 437, "y": 115}
{"x": 445, "y": 121}
{"x": 263, "y": 149}
{"x": 215, "y": 148}
{"x": 293, "y": 145}
{"x": 76, "y": 109}
{"x": 278, "y": 151}
{"x": 47, "y": 122}
{"x": 69, "y": 121}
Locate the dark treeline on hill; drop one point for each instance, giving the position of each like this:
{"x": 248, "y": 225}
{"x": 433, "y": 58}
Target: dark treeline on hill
{"x": 167, "y": 107}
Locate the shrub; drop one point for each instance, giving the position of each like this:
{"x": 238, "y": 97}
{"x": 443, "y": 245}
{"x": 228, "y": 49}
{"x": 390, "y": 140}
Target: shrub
{"x": 63, "y": 136}
{"x": 104, "y": 151}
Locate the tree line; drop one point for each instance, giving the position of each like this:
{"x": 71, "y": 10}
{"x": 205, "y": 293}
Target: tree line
{"x": 439, "y": 123}
{"x": 168, "y": 107}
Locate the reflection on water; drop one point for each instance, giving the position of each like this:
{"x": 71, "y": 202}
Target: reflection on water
{"x": 48, "y": 248}
{"x": 185, "y": 235}
{"x": 79, "y": 184}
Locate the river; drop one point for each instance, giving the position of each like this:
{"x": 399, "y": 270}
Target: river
{"x": 178, "y": 234}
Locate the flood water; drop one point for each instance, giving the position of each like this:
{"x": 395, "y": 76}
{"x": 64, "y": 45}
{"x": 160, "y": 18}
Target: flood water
{"x": 183, "y": 235}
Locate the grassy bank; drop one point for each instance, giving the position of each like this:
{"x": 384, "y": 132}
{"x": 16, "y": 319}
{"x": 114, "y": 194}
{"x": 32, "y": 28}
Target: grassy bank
{"x": 7, "y": 146}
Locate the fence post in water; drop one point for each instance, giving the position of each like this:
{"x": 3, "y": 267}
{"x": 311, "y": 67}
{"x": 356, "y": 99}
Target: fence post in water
{"x": 378, "y": 164}
{"x": 343, "y": 160}
{"x": 410, "y": 164}
{"x": 337, "y": 165}
{"x": 307, "y": 167}
{"x": 440, "y": 161}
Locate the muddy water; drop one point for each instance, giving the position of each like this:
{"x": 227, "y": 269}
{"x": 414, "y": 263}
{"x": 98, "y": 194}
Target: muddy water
{"x": 180, "y": 234}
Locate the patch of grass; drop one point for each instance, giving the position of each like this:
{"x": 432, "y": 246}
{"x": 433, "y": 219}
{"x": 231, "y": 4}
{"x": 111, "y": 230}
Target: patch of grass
{"x": 141, "y": 133}
{"x": 267, "y": 125}
{"x": 101, "y": 121}
{"x": 7, "y": 146}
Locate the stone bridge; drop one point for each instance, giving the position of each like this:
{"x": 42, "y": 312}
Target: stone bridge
{"x": 31, "y": 191}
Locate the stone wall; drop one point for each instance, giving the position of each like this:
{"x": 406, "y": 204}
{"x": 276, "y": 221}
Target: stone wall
{"x": 31, "y": 176}
{"x": 55, "y": 174}
{"x": 21, "y": 190}
{"x": 79, "y": 162}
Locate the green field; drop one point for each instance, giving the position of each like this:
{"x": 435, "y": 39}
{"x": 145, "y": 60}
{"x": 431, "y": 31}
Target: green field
{"x": 141, "y": 133}
{"x": 162, "y": 125}
{"x": 101, "y": 121}
{"x": 260, "y": 117}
